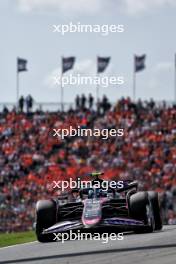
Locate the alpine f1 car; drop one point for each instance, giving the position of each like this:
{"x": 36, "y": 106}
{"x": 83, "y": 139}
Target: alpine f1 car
{"x": 124, "y": 209}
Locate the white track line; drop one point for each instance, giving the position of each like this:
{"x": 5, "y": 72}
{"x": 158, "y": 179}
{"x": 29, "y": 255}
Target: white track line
{"x": 33, "y": 242}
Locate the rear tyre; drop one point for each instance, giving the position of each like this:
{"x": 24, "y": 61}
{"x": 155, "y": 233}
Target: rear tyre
{"x": 156, "y": 209}
{"x": 141, "y": 209}
{"x": 45, "y": 217}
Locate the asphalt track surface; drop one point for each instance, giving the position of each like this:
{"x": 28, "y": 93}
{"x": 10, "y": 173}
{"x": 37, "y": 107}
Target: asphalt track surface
{"x": 155, "y": 248}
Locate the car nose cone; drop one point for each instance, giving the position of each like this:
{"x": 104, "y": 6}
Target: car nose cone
{"x": 92, "y": 212}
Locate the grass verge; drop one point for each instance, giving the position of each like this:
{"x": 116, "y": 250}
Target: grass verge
{"x": 8, "y": 239}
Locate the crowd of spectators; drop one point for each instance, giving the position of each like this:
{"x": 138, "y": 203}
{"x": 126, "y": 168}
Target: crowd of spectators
{"x": 82, "y": 103}
{"x": 31, "y": 158}
{"x": 28, "y": 101}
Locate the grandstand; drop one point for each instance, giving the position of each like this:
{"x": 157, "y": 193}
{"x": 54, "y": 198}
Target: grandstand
{"x": 31, "y": 158}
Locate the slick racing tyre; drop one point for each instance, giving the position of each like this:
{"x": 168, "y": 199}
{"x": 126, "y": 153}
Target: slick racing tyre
{"x": 141, "y": 209}
{"x": 45, "y": 217}
{"x": 153, "y": 196}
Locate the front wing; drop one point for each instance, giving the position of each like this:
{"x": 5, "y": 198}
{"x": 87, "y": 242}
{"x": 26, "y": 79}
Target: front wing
{"x": 65, "y": 226}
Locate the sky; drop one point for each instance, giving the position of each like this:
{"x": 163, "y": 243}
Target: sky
{"x": 26, "y": 31}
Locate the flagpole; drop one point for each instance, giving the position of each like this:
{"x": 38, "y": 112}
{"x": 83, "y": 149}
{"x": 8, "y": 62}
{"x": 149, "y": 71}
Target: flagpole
{"x": 97, "y": 86}
{"x": 61, "y": 91}
{"x": 134, "y": 81}
{"x": 175, "y": 80}
{"x": 62, "y": 94}
{"x": 97, "y": 91}
{"x": 17, "y": 86}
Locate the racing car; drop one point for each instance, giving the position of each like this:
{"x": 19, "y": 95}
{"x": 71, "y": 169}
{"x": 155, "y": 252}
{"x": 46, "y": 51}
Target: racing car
{"x": 124, "y": 209}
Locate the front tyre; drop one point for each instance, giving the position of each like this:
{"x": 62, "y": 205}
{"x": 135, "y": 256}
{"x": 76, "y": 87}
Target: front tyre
{"x": 45, "y": 217}
{"x": 141, "y": 209}
{"x": 156, "y": 209}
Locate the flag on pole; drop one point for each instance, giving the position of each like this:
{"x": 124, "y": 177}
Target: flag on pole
{"x": 67, "y": 64}
{"x": 102, "y": 63}
{"x": 139, "y": 62}
{"x": 21, "y": 65}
